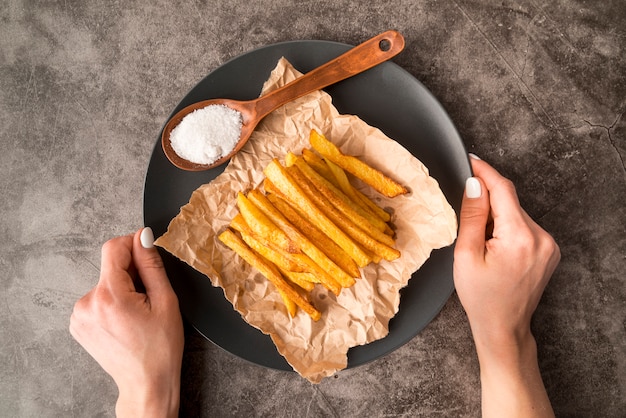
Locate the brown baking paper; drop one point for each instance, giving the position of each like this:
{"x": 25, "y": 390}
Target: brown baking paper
{"x": 423, "y": 220}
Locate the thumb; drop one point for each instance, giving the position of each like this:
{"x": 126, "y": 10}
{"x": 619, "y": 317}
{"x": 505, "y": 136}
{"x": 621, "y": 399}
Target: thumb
{"x": 148, "y": 263}
{"x": 473, "y": 220}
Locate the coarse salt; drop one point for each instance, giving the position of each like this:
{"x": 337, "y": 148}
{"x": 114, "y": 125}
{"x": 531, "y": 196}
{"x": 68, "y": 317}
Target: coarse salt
{"x": 207, "y": 134}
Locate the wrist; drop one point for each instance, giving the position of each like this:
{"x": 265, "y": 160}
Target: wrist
{"x": 159, "y": 400}
{"x": 503, "y": 343}
{"x": 506, "y": 352}
{"x": 510, "y": 377}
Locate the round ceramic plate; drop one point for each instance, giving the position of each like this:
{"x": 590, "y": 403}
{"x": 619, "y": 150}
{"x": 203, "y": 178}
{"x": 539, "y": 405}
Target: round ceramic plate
{"x": 386, "y": 97}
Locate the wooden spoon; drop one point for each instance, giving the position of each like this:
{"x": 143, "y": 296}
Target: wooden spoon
{"x": 358, "y": 59}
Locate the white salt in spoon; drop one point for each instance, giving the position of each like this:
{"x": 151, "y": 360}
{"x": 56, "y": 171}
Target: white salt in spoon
{"x": 358, "y": 59}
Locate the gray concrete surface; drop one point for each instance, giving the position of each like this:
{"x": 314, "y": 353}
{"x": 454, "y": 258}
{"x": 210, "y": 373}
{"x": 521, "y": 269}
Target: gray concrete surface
{"x": 536, "y": 87}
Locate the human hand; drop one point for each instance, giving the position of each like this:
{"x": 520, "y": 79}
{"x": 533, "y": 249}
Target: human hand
{"x": 131, "y": 325}
{"x": 500, "y": 277}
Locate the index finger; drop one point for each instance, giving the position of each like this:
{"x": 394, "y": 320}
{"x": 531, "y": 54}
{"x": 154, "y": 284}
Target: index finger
{"x": 502, "y": 195}
{"x": 117, "y": 263}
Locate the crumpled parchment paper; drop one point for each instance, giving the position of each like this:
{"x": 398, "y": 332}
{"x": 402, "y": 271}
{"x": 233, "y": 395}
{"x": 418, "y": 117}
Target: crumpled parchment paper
{"x": 423, "y": 221}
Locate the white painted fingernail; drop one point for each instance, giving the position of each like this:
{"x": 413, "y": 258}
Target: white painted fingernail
{"x": 147, "y": 237}
{"x": 472, "y": 188}
{"x": 474, "y": 156}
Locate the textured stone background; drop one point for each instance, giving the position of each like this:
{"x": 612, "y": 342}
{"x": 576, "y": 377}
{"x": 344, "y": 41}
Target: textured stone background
{"x": 535, "y": 87}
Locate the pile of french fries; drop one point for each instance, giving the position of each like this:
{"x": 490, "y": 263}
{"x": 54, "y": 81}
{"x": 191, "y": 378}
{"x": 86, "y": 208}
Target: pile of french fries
{"x": 311, "y": 226}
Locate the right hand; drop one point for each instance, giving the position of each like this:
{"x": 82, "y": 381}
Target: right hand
{"x": 500, "y": 278}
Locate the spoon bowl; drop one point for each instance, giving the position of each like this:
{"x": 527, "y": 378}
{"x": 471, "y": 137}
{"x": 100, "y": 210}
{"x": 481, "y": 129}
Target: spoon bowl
{"x": 358, "y": 59}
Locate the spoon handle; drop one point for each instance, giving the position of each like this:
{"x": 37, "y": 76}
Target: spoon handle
{"x": 358, "y": 59}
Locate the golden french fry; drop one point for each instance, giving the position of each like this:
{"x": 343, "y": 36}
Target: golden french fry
{"x": 305, "y": 277}
{"x": 324, "y": 243}
{"x": 337, "y": 176}
{"x": 329, "y": 272}
{"x": 299, "y": 263}
{"x": 319, "y": 165}
{"x": 346, "y": 225}
{"x": 283, "y": 260}
{"x": 239, "y": 224}
{"x": 281, "y": 179}
{"x": 298, "y": 279}
{"x": 310, "y": 266}
{"x": 291, "y": 306}
{"x": 234, "y": 242}
{"x": 375, "y": 257}
{"x": 356, "y": 195}
{"x": 290, "y": 159}
{"x": 341, "y": 180}
{"x": 286, "y": 262}
{"x": 263, "y": 226}
{"x": 270, "y": 188}
{"x": 371, "y": 224}
{"x": 382, "y": 214}
{"x": 358, "y": 168}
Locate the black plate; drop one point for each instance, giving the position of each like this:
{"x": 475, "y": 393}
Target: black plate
{"x": 386, "y": 97}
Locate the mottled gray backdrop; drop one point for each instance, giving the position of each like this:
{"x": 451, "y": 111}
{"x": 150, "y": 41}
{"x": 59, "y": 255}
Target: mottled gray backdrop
{"x": 535, "y": 87}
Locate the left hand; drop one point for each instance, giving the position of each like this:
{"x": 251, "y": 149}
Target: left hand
{"x": 135, "y": 335}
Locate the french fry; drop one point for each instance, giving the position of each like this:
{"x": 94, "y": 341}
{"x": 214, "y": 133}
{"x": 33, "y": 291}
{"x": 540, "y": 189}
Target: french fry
{"x": 356, "y": 195}
{"x": 296, "y": 263}
{"x": 263, "y": 226}
{"x": 299, "y": 279}
{"x": 324, "y": 243}
{"x": 291, "y": 306}
{"x": 290, "y": 159}
{"x": 336, "y": 175}
{"x": 370, "y": 223}
{"x": 283, "y": 260}
{"x": 329, "y": 272}
{"x": 281, "y": 179}
{"x": 341, "y": 181}
{"x": 305, "y": 277}
{"x": 319, "y": 165}
{"x": 270, "y": 188}
{"x": 286, "y": 262}
{"x": 374, "y": 207}
{"x": 346, "y": 225}
{"x": 234, "y": 242}
{"x": 358, "y": 168}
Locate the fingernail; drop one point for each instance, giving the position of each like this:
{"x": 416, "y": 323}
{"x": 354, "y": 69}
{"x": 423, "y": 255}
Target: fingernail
{"x": 474, "y": 156}
{"x": 472, "y": 188}
{"x": 147, "y": 237}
